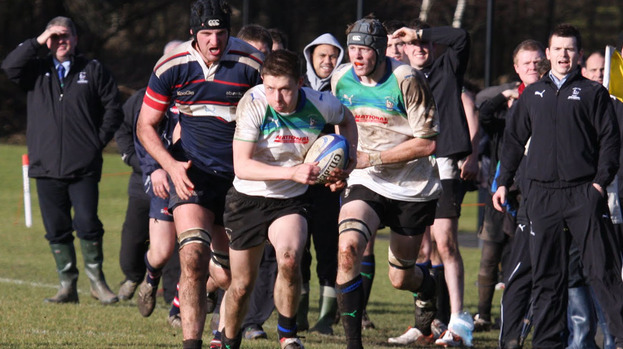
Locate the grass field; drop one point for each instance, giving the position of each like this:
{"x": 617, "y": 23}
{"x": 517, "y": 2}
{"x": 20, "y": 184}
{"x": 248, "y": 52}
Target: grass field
{"x": 27, "y": 275}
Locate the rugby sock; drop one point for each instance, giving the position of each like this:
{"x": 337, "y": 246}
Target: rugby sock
{"x": 230, "y": 343}
{"x": 426, "y": 291}
{"x": 368, "y": 267}
{"x": 192, "y": 343}
{"x": 443, "y": 298}
{"x": 175, "y": 305}
{"x": 429, "y": 267}
{"x": 350, "y": 299}
{"x": 286, "y": 326}
{"x": 153, "y": 274}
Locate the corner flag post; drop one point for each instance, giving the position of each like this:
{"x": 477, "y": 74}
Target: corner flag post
{"x": 26, "y": 181}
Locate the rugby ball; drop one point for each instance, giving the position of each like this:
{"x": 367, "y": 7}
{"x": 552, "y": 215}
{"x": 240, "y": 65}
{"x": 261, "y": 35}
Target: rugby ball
{"x": 331, "y": 152}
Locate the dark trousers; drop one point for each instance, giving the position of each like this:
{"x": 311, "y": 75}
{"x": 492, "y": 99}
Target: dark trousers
{"x": 56, "y": 199}
{"x": 325, "y": 209}
{"x": 584, "y": 212}
{"x": 518, "y": 288}
{"x": 134, "y": 238}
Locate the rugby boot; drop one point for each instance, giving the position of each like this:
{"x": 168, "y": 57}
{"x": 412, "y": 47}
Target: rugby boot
{"x": 65, "y": 258}
{"x": 93, "y": 256}
{"x": 146, "y": 298}
{"x": 291, "y": 343}
{"x": 127, "y": 289}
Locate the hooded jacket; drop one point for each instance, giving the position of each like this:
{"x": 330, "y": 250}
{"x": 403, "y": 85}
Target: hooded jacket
{"x": 311, "y": 79}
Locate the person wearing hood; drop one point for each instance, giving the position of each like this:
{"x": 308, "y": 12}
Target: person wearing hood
{"x": 323, "y": 55}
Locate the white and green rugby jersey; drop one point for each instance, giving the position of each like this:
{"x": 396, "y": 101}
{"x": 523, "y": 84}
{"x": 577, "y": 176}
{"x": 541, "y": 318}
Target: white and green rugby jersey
{"x": 398, "y": 108}
{"x": 282, "y": 139}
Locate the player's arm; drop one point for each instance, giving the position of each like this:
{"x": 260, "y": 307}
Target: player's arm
{"x": 248, "y": 168}
{"x": 408, "y": 150}
{"x": 348, "y": 129}
{"x": 516, "y": 134}
{"x": 147, "y": 131}
{"x": 469, "y": 169}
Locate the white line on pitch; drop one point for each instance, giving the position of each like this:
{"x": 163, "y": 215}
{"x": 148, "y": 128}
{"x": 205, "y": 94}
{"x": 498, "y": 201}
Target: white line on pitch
{"x": 29, "y": 283}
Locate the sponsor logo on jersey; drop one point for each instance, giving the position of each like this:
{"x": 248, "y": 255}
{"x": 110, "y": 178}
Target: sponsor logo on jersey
{"x": 186, "y": 93}
{"x": 291, "y": 139}
{"x": 347, "y": 98}
{"x": 235, "y": 94}
{"x": 539, "y": 93}
{"x": 371, "y": 118}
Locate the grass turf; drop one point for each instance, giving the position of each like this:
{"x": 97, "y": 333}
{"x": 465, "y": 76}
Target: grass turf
{"x": 27, "y": 276}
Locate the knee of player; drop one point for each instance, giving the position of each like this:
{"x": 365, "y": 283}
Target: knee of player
{"x": 194, "y": 262}
{"x": 447, "y": 250}
{"x": 221, "y": 277}
{"x": 160, "y": 255}
{"x": 397, "y": 279}
{"x": 289, "y": 263}
{"x": 240, "y": 289}
{"x": 347, "y": 256}
{"x": 399, "y": 270}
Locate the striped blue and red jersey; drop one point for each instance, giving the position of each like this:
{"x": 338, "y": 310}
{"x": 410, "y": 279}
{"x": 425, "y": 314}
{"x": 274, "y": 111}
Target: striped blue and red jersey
{"x": 206, "y": 97}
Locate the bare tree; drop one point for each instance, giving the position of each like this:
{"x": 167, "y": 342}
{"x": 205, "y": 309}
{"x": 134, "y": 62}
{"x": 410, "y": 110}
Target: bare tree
{"x": 426, "y": 5}
{"x": 458, "y": 13}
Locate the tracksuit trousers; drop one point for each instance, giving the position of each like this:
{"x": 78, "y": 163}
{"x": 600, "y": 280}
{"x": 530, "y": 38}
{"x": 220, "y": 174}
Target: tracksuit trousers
{"x": 584, "y": 213}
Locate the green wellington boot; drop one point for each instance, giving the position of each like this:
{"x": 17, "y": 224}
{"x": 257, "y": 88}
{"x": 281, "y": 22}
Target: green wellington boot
{"x": 327, "y": 310}
{"x": 93, "y": 258}
{"x": 65, "y": 258}
{"x": 301, "y": 315}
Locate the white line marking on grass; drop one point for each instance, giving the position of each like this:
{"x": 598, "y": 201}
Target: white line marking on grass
{"x": 30, "y": 283}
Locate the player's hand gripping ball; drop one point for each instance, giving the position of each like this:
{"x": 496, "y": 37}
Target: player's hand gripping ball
{"x": 331, "y": 152}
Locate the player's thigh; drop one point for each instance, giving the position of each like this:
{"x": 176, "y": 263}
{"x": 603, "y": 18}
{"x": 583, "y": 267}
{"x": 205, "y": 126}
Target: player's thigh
{"x": 288, "y": 235}
{"x": 244, "y": 266}
{"x": 190, "y": 216}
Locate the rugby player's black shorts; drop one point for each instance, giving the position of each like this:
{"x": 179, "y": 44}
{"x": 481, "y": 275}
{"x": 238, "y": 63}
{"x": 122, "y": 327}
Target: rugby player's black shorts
{"x": 247, "y": 218}
{"x": 403, "y": 217}
{"x": 449, "y": 204}
{"x": 210, "y": 191}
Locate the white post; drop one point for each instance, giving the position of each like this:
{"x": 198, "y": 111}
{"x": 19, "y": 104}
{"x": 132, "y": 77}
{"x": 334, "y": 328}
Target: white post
{"x": 26, "y": 181}
{"x": 608, "y": 58}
